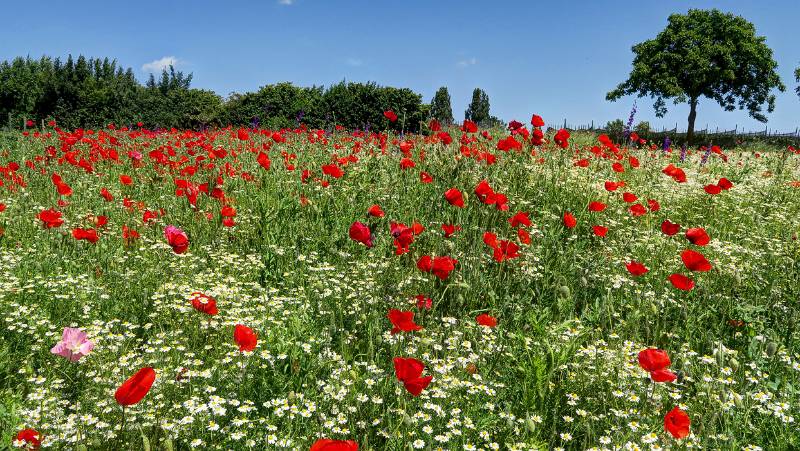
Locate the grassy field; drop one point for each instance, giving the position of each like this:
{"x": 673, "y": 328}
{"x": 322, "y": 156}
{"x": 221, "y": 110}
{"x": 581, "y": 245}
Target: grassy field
{"x": 278, "y": 232}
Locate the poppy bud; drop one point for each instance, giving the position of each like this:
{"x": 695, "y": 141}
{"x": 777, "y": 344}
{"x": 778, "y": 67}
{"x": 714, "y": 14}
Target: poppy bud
{"x": 734, "y": 364}
{"x": 145, "y": 443}
{"x": 772, "y": 347}
{"x": 530, "y": 425}
{"x": 584, "y": 282}
{"x": 291, "y": 397}
{"x": 564, "y": 291}
{"x": 80, "y": 447}
{"x": 407, "y": 420}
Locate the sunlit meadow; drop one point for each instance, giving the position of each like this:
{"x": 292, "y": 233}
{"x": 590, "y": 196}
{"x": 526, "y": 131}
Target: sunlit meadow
{"x": 568, "y": 259}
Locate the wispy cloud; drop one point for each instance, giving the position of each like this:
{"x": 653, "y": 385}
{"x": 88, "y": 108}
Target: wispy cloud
{"x": 468, "y": 62}
{"x": 286, "y": 2}
{"x": 161, "y": 64}
{"x": 355, "y": 62}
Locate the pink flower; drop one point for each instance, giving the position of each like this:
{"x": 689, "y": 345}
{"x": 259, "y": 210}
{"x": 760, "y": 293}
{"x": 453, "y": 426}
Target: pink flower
{"x": 73, "y": 345}
{"x": 176, "y": 238}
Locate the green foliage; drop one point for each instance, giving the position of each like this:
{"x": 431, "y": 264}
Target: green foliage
{"x": 704, "y": 53}
{"x": 642, "y": 129}
{"x": 478, "y": 110}
{"x": 797, "y": 79}
{"x": 277, "y": 106}
{"x": 441, "y": 109}
{"x": 615, "y": 129}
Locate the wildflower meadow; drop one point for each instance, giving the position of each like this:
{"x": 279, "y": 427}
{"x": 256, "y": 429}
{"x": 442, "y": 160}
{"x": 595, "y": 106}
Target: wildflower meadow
{"x": 516, "y": 288}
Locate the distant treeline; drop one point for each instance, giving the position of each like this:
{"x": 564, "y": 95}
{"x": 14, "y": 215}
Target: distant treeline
{"x": 93, "y": 92}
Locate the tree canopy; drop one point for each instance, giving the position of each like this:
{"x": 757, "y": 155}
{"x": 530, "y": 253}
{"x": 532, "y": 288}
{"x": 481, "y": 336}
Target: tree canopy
{"x": 441, "y": 109}
{"x": 704, "y": 53}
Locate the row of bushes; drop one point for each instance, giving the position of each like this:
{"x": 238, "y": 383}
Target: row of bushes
{"x": 93, "y": 92}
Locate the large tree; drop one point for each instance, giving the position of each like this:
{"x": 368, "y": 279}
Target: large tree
{"x": 478, "y": 109}
{"x": 441, "y": 109}
{"x": 797, "y": 78}
{"x": 704, "y": 53}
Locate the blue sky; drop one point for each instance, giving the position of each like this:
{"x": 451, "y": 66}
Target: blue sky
{"x": 557, "y": 59}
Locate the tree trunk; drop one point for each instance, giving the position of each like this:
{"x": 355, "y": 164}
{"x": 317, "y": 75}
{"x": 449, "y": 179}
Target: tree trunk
{"x": 692, "y": 117}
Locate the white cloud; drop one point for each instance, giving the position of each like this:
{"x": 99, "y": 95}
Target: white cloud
{"x": 161, "y": 64}
{"x": 286, "y": 2}
{"x": 468, "y": 62}
{"x": 355, "y": 62}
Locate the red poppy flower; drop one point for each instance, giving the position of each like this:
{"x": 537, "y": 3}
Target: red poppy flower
{"x": 450, "y": 229}
{"x": 89, "y": 235}
{"x": 423, "y": 301}
{"x": 569, "y": 220}
{"x": 695, "y": 261}
{"x": 454, "y": 197}
{"x": 677, "y": 423}
{"x": 600, "y": 231}
{"x": 629, "y": 197}
{"x": 204, "y": 304}
{"x": 663, "y": 376}
{"x": 490, "y": 239}
{"x": 725, "y": 184}
{"x": 403, "y": 237}
{"x": 402, "y": 321}
{"x": 245, "y": 338}
{"x": 51, "y": 218}
{"x": 136, "y": 387}
{"x": 617, "y": 167}
{"x": 126, "y": 180}
{"x": 636, "y": 269}
{"x": 654, "y": 360}
{"x": 443, "y": 266}
{"x": 675, "y": 172}
{"x": 425, "y": 263}
{"x": 264, "y": 161}
{"x": 434, "y": 125}
{"x": 407, "y": 163}
{"x": 712, "y": 189}
{"x": 376, "y": 211}
{"x": 30, "y": 439}
{"x": 653, "y": 205}
{"x": 469, "y": 126}
{"x": 424, "y": 177}
{"x": 669, "y": 228}
{"x": 332, "y": 170}
{"x": 637, "y": 210}
{"x": 505, "y": 250}
{"x": 520, "y": 219}
{"x": 597, "y": 206}
{"x": 611, "y": 186}
{"x": 389, "y": 114}
{"x": 409, "y": 372}
{"x": 524, "y": 236}
{"x": 326, "y": 444}
{"x": 177, "y": 239}
{"x": 697, "y": 236}
{"x": 106, "y": 194}
{"x": 485, "y": 320}
{"x": 537, "y": 121}
{"x": 562, "y": 138}
{"x": 361, "y": 233}
{"x": 681, "y": 282}
{"x": 242, "y": 134}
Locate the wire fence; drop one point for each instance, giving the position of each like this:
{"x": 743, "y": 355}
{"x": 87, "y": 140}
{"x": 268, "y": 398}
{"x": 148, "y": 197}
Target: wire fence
{"x": 767, "y": 132}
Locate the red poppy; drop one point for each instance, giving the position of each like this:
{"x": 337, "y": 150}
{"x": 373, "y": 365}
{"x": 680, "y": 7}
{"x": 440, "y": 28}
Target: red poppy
{"x": 332, "y": 170}
{"x": 675, "y": 172}
{"x": 681, "y": 282}
{"x": 524, "y": 236}
{"x": 670, "y": 228}
{"x": 407, "y": 163}
{"x": 423, "y": 301}
{"x": 677, "y": 423}
{"x": 89, "y": 235}
{"x": 617, "y": 167}
{"x": 424, "y": 177}
{"x": 490, "y": 239}
{"x": 637, "y": 210}
{"x": 597, "y": 206}
{"x": 126, "y": 180}
{"x": 443, "y": 266}
{"x": 245, "y": 338}
{"x": 242, "y": 134}
{"x": 654, "y": 360}
{"x": 600, "y": 231}
{"x": 520, "y": 219}
{"x": 653, "y": 205}
{"x": 434, "y": 125}
{"x": 569, "y": 220}
{"x": 636, "y": 269}
{"x": 136, "y": 387}
{"x": 30, "y": 439}
{"x": 402, "y": 321}
{"x": 537, "y": 121}
{"x": 389, "y": 114}
{"x": 361, "y": 233}
{"x": 403, "y": 236}
{"x": 177, "y": 239}
{"x": 695, "y": 261}
{"x": 725, "y": 184}
{"x": 505, "y": 250}
{"x": 469, "y": 127}
{"x": 51, "y": 218}
{"x": 611, "y": 186}
{"x": 450, "y": 229}
{"x": 326, "y": 444}
{"x": 106, "y": 194}
{"x": 663, "y": 376}
{"x": 629, "y": 197}
{"x": 204, "y": 304}
{"x": 562, "y": 138}
{"x": 409, "y": 372}
{"x": 697, "y": 236}
{"x": 425, "y": 263}
{"x": 485, "y": 320}
{"x": 454, "y": 197}
{"x": 264, "y": 161}
{"x": 376, "y": 211}
{"x": 712, "y": 189}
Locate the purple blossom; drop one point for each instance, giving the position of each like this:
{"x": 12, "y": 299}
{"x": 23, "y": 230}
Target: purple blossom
{"x": 627, "y": 131}
{"x": 683, "y": 153}
{"x": 706, "y": 155}
{"x": 73, "y": 345}
{"x": 667, "y": 143}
